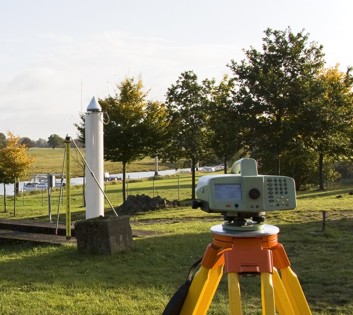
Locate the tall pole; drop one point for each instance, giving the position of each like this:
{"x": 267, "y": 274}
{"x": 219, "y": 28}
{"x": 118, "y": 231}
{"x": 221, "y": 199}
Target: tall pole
{"x": 94, "y": 156}
{"x": 68, "y": 187}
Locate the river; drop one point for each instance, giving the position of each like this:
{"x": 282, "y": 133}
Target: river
{"x": 79, "y": 180}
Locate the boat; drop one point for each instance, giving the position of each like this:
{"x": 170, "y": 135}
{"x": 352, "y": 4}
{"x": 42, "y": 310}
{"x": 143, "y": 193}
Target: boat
{"x": 32, "y": 186}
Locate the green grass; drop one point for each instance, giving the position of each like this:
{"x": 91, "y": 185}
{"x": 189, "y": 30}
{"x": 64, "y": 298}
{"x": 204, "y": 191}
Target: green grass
{"x": 47, "y": 160}
{"x": 57, "y": 280}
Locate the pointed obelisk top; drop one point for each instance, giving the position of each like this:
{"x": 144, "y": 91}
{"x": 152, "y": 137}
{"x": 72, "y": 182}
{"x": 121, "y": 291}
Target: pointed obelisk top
{"x": 94, "y": 106}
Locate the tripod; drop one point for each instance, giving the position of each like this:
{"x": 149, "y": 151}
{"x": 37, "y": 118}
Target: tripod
{"x": 238, "y": 252}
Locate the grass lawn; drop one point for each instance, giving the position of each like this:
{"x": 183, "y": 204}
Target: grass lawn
{"x": 47, "y": 160}
{"x": 57, "y": 280}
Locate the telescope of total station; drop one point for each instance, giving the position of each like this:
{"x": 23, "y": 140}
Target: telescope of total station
{"x": 94, "y": 170}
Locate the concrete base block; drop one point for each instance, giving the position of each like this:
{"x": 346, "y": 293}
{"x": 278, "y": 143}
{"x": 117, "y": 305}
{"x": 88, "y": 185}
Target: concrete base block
{"x": 104, "y": 235}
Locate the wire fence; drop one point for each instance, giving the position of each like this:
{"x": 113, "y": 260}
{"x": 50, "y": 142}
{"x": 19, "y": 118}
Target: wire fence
{"x": 48, "y": 202}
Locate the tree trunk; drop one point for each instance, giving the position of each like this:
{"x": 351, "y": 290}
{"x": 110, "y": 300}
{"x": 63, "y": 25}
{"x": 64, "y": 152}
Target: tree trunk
{"x": 14, "y": 197}
{"x": 225, "y": 165}
{"x": 193, "y": 177}
{"x": 124, "y": 181}
{"x": 156, "y": 165}
{"x": 84, "y": 191}
{"x": 278, "y": 165}
{"x": 84, "y": 185}
{"x": 5, "y": 204}
{"x": 321, "y": 171}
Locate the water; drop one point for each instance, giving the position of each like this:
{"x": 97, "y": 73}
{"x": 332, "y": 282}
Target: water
{"x": 79, "y": 180}
{"x": 138, "y": 175}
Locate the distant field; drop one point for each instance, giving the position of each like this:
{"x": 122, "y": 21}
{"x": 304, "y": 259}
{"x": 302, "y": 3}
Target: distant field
{"x": 49, "y": 160}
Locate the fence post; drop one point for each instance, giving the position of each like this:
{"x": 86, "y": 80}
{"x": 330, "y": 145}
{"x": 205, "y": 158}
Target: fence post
{"x": 323, "y": 220}
{"x": 153, "y": 187}
{"x": 178, "y": 188}
{"x": 68, "y": 187}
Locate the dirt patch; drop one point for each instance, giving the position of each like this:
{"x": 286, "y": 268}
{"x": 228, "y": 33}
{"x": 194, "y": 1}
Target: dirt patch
{"x": 142, "y": 203}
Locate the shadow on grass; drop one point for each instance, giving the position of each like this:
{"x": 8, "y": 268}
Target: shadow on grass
{"x": 148, "y": 187}
{"x": 324, "y": 193}
{"x": 321, "y": 259}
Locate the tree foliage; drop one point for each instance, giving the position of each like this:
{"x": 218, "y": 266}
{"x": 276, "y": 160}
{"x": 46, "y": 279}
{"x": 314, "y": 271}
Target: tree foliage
{"x": 224, "y": 120}
{"x": 27, "y": 142}
{"x": 273, "y": 86}
{"x": 14, "y": 160}
{"x": 136, "y": 126}
{"x": 329, "y": 133}
{"x": 80, "y": 126}
{"x": 55, "y": 141}
{"x": 280, "y": 106}
{"x": 157, "y": 124}
{"x": 186, "y": 103}
{"x": 2, "y": 140}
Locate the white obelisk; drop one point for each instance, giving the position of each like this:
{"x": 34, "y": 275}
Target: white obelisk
{"x": 94, "y": 172}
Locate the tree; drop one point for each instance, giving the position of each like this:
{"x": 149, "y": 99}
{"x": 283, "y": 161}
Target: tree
{"x": 224, "y": 121}
{"x": 14, "y": 162}
{"x": 2, "y": 140}
{"x": 41, "y": 143}
{"x": 329, "y": 122}
{"x": 132, "y": 132}
{"x": 27, "y": 142}
{"x": 157, "y": 130}
{"x": 3, "y": 177}
{"x": 80, "y": 126}
{"x": 55, "y": 141}
{"x": 186, "y": 102}
{"x": 273, "y": 86}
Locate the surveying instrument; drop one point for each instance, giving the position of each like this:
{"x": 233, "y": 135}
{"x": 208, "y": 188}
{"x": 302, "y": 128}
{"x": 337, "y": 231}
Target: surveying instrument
{"x": 243, "y": 244}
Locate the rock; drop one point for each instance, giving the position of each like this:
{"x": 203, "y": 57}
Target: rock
{"x": 103, "y": 235}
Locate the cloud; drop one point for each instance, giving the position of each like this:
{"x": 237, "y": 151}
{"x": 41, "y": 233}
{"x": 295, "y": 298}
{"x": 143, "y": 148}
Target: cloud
{"x": 44, "y": 96}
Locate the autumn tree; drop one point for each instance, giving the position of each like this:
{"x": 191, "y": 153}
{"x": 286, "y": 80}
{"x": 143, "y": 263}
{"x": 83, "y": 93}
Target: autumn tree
{"x": 3, "y": 178}
{"x": 328, "y": 121}
{"x": 14, "y": 162}
{"x": 157, "y": 129}
{"x": 133, "y": 131}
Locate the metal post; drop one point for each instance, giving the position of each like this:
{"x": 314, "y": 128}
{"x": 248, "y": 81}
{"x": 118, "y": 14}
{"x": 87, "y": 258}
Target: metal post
{"x": 178, "y": 188}
{"x": 323, "y": 220}
{"x": 49, "y": 184}
{"x": 94, "y": 174}
{"x": 49, "y": 203}
{"x": 68, "y": 188}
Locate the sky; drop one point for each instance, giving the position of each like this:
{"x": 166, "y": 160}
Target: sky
{"x": 55, "y": 55}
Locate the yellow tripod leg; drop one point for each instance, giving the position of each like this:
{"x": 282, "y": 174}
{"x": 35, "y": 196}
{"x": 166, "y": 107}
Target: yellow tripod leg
{"x": 295, "y": 292}
{"x": 283, "y": 305}
{"x": 267, "y": 294}
{"x": 234, "y": 294}
{"x": 201, "y": 291}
